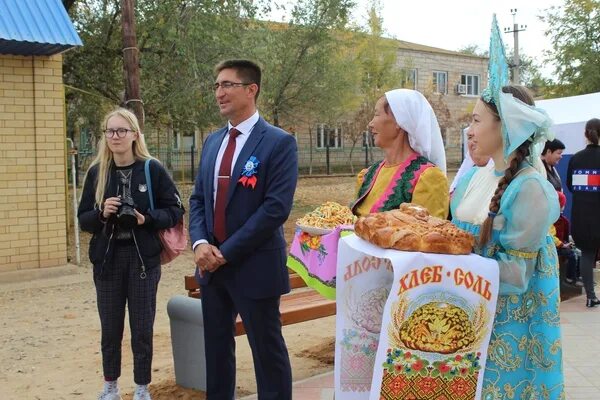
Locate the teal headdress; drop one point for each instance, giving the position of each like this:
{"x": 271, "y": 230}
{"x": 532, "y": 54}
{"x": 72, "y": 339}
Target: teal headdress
{"x": 520, "y": 122}
{"x": 498, "y": 75}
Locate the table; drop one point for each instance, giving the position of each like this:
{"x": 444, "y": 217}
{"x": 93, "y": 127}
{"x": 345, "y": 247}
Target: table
{"x": 314, "y": 258}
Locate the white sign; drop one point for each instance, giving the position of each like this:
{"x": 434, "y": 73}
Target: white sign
{"x": 411, "y": 325}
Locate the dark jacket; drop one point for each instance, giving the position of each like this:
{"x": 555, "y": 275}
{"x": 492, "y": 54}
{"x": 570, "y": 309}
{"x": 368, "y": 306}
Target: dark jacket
{"x": 167, "y": 213}
{"x": 585, "y": 217}
{"x": 553, "y": 177}
{"x": 255, "y": 248}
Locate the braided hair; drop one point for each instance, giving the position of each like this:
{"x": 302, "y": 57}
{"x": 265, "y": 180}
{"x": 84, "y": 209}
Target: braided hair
{"x": 520, "y": 154}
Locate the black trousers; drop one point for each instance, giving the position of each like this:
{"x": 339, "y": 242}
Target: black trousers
{"x": 120, "y": 284}
{"x": 586, "y": 265}
{"x": 221, "y": 303}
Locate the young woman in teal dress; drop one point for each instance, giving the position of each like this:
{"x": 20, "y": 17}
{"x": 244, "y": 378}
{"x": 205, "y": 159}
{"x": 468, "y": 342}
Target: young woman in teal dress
{"x": 510, "y": 207}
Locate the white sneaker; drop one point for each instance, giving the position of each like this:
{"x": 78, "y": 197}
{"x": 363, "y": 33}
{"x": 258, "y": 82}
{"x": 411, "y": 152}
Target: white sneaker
{"x": 109, "y": 396}
{"x": 141, "y": 393}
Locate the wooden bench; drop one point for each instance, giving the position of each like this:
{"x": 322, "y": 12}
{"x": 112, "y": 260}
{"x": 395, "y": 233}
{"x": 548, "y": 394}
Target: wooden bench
{"x": 300, "y": 305}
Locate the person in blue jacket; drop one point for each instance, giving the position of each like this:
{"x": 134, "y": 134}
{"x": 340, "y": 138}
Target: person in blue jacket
{"x": 243, "y": 194}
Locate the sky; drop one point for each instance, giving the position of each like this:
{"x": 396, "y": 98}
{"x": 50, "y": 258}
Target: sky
{"x": 455, "y": 24}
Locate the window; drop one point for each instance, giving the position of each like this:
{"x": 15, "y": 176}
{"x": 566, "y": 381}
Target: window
{"x": 472, "y": 82}
{"x": 408, "y": 78}
{"x": 334, "y": 135}
{"x": 440, "y": 82}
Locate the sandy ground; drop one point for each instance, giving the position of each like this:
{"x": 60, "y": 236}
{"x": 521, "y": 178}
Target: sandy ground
{"x": 50, "y": 332}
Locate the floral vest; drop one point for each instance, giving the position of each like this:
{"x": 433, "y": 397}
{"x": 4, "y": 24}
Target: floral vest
{"x": 401, "y": 186}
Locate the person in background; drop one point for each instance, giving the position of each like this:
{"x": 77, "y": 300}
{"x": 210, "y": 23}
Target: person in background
{"x": 471, "y": 160}
{"x": 413, "y": 169}
{"x": 551, "y": 155}
{"x": 125, "y": 247}
{"x": 560, "y": 232}
{"x": 583, "y": 180}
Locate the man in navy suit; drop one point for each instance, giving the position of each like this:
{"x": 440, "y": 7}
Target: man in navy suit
{"x": 243, "y": 194}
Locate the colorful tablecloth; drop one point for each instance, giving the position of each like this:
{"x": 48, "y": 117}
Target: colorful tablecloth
{"x": 314, "y": 258}
{"x": 411, "y": 325}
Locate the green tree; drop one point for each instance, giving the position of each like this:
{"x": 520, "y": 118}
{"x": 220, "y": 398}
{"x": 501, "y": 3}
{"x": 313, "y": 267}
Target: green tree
{"x": 378, "y": 69}
{"x": 93, "y": 73}
{"x": 301, "y": 59}
{"x": 179, "y": 42}
{"x": 574, "y": 29}
{"x": 473, "y": 50}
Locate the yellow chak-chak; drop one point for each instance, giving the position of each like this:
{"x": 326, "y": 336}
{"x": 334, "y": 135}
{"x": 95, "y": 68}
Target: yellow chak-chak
{"x": 328, "y": 216}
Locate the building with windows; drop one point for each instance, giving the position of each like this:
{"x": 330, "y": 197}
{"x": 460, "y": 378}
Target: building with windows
{"x": 452, "y": 82}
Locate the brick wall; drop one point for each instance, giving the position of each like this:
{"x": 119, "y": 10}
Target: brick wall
{"x": 32, "y": 163}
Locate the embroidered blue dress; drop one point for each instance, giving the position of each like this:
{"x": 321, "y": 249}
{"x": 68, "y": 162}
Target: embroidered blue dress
{"x": 525, "y": 353}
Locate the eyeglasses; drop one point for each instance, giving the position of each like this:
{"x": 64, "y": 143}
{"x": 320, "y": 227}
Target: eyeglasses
{"x": 121, "y": 132}
{"x": 226, "y": 85}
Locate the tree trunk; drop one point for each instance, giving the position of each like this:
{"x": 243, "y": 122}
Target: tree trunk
{"x": 351, "y": 152}
{"x": 327, "y": 151}
{"x": 310, "y": 150}
{"x": 276, "y": 117}
{"x": 169, "y": 146}
{"x": 131, "y": 67}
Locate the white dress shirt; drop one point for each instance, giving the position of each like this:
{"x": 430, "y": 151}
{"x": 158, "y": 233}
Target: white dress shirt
{"x": 245, "y": 128}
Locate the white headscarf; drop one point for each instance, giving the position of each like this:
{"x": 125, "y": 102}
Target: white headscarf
{"x": 414, "y": 114}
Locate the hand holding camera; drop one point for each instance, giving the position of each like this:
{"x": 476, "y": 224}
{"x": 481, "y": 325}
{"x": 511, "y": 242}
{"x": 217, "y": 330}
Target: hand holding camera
{"x": 111, "y": 205}
{"x": 126, "y": 213}
{"x": 124, "y": 208}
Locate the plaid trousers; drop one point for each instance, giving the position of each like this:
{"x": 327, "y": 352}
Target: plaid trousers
{"x": 120, "y": 284}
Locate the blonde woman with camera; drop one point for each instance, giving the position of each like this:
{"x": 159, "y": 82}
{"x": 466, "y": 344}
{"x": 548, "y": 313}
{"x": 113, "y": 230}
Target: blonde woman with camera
{"x": 125, "y": 247}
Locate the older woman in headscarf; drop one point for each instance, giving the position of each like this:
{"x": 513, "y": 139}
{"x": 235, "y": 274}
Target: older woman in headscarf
{"x": 413, "y": 169}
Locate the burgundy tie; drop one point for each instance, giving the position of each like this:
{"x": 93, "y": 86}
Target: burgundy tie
{"x": 223, "y": 179}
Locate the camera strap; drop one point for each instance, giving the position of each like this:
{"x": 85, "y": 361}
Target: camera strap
{"x": 142, "y": 266}
{"x": 151, "y": 198}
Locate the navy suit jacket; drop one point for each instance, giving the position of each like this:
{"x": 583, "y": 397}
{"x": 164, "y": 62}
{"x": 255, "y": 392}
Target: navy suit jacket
{"x": 255, "y": 249}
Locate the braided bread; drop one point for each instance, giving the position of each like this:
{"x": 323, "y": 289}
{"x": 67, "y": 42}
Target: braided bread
{"x": 411, "y": 228}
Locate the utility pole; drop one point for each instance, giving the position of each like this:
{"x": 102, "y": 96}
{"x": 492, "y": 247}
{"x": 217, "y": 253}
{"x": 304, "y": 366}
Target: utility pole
{"x": 131, "y": 63}
{"x": 515, "y": 31}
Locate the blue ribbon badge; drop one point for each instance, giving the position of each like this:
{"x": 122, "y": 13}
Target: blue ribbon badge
{"x": 249, "y": 173}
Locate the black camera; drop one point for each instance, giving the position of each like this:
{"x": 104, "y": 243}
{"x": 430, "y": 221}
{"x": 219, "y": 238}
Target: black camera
{"x": 126, "y": 212}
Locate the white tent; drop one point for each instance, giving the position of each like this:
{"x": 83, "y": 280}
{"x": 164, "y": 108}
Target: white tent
{"x": 569, "y": 115}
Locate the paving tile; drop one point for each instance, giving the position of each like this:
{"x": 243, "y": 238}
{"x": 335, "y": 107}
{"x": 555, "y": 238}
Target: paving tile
{"x": 327, "y": 394}
{"x": 581, "y": 357}
{"x": 307, "y": 393}
{"x": 576, "y": 380}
